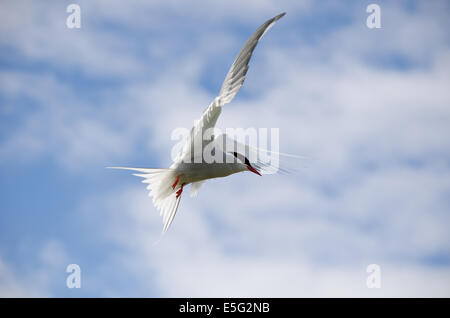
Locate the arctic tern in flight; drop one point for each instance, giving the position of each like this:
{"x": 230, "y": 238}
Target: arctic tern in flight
{"x": 166, "y": 185}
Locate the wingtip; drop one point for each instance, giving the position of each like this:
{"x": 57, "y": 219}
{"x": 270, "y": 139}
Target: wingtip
{"x": 280, "y": 16}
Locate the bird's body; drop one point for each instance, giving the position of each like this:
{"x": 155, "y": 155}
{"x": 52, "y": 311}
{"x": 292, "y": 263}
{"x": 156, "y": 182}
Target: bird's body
{"x": 191, "y": 166}
{"x": 195, "y": 172}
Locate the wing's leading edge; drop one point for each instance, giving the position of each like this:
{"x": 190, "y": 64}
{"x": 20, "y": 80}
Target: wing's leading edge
{"x": 231, "y": 85}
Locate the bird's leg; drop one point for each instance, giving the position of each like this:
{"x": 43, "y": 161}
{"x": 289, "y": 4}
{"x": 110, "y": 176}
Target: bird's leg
{"x": 180, "y": 191}
{"x": 176, "y": 182}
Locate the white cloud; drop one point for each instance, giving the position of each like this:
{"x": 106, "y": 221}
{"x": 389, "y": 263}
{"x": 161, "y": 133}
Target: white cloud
{"x": 43, "y": 269}
{"x": 257, "y": 253}
{"x": 9, "y": 286}
{"x": 58, "y": 123}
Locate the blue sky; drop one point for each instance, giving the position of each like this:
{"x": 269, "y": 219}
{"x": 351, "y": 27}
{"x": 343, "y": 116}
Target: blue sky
{"x": 368, "y": 107}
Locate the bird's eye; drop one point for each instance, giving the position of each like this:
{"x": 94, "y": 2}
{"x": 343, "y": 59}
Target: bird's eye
{"x": 241, "y": 158}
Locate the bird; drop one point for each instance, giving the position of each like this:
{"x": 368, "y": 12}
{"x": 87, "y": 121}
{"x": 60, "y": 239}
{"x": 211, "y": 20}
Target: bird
{"x": 166, "y": 185}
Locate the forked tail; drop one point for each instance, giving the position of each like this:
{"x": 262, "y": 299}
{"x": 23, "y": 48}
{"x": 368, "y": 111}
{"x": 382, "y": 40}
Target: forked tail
{"x": 160, "y": 188}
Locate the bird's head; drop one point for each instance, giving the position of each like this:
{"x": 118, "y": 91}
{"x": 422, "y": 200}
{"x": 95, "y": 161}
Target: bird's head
{"x": 244, "y": 161}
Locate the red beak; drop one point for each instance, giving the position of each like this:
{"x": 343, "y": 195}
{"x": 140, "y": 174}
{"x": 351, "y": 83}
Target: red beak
{"x": 253, "y": 170}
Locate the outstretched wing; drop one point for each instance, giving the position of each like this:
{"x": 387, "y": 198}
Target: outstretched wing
{"x": 236, "y": 75}
{"x": 195, "y": 143}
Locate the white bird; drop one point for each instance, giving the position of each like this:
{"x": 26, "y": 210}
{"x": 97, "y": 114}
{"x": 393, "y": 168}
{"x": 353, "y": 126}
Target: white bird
{"x": 166, "y": 185}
